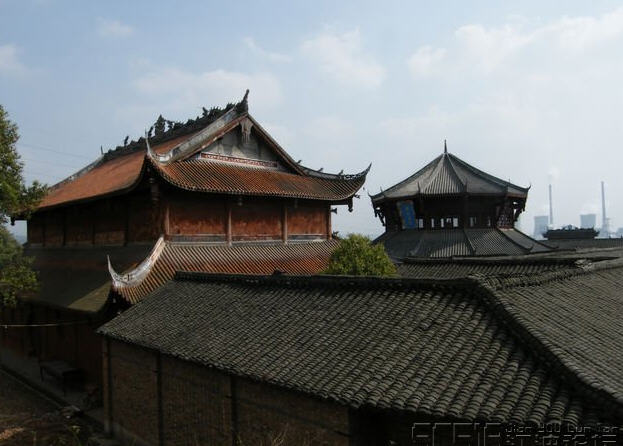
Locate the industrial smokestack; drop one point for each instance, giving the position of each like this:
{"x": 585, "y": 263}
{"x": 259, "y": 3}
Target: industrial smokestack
{"x": 551, "y": 209}
{"x": 605, "y": 230}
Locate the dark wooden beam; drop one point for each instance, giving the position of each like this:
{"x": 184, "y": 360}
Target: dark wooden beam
{"x": 284, "y": 222}
{"x": 228, "y": 222}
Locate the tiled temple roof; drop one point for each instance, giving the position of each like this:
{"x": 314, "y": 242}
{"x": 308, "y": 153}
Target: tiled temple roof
{"x": 106, "y": 176}
{"x": 167, "y": 257}
{"x": 536, "y": 349}
{"x": 464, "y": 267}
{"x": 119, "y": 171}
{"x": 199, "y": 175}
{"x": 438, "y": 243}
{"x": 449, "y": 175}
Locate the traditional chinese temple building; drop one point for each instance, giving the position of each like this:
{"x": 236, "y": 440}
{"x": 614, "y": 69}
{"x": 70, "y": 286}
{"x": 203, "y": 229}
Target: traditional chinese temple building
{"x": 450, "y": 208}
{"x": 216, "y": 194}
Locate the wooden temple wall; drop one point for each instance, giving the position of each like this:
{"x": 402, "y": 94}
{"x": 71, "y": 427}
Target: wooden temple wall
{"x": 188, "y": 214}
{"x": 256, "y": 220}
{"x": 246, "y": 218}
{"x": 130, "y": 219}
{"x": 138, "y": 219}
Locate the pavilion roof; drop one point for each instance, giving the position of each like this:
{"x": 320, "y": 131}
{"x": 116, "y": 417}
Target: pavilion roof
{"x": 444, "y": 243}
{"x": 449, "y": 175}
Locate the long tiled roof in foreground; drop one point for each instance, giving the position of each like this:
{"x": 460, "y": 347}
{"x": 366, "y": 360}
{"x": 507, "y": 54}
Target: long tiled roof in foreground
{"x": 167, "y": 257}
{"x": 543, "y": 348}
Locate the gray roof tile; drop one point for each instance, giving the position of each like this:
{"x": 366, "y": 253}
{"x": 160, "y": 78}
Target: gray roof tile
{"x": 511, "y": 349}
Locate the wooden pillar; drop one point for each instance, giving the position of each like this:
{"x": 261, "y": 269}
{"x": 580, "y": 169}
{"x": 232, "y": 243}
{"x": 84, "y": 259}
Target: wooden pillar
{"x": 228, "y": 223}
{"x": 284, "y": 222}
{"x": 329, "y": 233}
{"x": 167, "y": 221}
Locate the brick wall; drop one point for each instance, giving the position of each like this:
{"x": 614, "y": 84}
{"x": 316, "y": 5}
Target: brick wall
{"x": 196, "y": 404}
{"x": 268, "y": 414}
{"x": 132, "y": 388}
{"x": 204, "y": 406}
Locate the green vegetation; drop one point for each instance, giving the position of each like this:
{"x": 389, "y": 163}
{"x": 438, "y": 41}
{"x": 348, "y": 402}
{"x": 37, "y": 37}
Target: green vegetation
{"x": 15, "y": 199}
{"x": 356, "y": 256}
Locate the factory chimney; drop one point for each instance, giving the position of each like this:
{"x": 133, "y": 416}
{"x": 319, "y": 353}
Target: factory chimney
{"x": 605, "y": 230}
{"x": 551, "y": 210}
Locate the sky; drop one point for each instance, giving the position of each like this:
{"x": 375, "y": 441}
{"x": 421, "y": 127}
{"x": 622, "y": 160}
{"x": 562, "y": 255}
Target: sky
{"x": 529, "y": 91}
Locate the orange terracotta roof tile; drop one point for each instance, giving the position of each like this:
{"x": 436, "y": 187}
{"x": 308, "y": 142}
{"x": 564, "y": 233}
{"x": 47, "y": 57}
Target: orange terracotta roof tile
{"x": 219, "y": 177}
{"x": 245, "y": 258}
{"x": 105, "y": 177}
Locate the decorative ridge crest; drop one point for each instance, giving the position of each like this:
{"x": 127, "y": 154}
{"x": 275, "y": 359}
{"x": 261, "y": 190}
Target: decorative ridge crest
{"x": 335, "y": 176}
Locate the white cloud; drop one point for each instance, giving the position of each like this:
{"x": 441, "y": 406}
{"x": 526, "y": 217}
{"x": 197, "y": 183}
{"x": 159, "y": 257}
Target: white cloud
{"x": 426, "y": 61}
{"x": 113, "y": 28}
{"x": 9, "y": 61}
{"x": 568, "y": 37}
{"x": 342, "y": 57}
{"x": 261, "y": 52}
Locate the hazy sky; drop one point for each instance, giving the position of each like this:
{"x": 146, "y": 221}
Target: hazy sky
{"x": 530, "y": 91}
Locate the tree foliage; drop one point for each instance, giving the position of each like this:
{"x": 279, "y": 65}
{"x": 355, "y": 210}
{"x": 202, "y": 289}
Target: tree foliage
{"x": 15, "y": 199}
{"x": 356, "y": 256}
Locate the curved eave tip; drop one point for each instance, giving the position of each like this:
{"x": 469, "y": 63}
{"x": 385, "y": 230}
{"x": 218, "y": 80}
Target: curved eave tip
{"x": 150, "y": 152}
{"x": 365, "y": 172}
{"x": 111, "y": 270}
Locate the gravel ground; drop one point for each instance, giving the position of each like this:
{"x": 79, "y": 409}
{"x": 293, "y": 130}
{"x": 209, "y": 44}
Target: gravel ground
{"x": 28, "y": 419}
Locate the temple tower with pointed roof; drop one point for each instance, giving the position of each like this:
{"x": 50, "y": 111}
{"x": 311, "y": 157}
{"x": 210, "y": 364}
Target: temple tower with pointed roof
{"x": 451, "y": 208}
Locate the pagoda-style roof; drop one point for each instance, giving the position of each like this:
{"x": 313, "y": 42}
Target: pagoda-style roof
{"x": 167, "y": 257}
{"x": 459, "y": 242}
{"x": 202, "y": 176}
{"x": 449, "y": 175}
{"x": 175, "y": 155}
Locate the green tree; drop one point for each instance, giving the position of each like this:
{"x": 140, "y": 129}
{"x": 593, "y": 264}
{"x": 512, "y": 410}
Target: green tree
{"x": 356, "y": 256}
{"x": 15, "y": 199}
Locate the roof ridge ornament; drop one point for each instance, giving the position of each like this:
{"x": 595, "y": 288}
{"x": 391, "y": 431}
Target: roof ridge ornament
{"x": 445, "y": 147}
{"x": 243, "y": 106}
